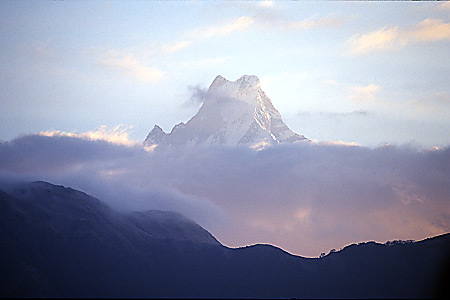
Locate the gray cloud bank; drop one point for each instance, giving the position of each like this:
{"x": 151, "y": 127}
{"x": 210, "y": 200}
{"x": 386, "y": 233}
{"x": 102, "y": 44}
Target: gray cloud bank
{"x": 305, "y": 198}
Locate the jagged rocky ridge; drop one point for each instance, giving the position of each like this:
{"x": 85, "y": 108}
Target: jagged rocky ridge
{"x": 233, "y": 113}
{"x": 59, "y": 242}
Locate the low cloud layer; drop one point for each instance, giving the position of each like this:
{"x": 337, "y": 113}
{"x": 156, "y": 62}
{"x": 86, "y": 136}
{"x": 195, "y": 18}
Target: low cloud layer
{"x": 117, "y": 135}
{"x": 305, "y": 198}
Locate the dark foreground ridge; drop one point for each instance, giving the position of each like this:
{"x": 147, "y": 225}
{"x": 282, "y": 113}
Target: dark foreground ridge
{"x": 59, "y": 242}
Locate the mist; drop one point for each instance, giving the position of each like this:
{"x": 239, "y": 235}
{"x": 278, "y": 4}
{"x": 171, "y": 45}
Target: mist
{"x": 305, "y": 198}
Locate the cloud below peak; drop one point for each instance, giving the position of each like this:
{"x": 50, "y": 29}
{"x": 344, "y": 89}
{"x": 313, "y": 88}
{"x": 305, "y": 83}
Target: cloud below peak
{"x": 118, "y": 135}
{"x": 316, "y": 191}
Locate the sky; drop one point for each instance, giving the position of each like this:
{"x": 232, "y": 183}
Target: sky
{"x": 82, "y": 84}
{"x": 361, "y": 72}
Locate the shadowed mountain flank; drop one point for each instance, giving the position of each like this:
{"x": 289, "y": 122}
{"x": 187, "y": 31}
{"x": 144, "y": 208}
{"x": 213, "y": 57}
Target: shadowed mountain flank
{"x": 60, "y": 242}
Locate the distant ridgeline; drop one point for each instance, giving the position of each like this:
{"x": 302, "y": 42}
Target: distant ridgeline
{"x": 59, "y": 242}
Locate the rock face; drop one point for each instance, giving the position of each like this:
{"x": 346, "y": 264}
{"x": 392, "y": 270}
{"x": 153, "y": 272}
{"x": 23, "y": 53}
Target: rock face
{"x": 233, "y": 113}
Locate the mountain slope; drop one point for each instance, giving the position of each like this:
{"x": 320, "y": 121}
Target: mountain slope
{"x": 57, "y": 241}
{"x": 60, "y": 242}
{"x": 233, "y": 113}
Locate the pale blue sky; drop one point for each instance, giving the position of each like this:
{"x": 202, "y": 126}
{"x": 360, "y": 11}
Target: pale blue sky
{"x": 370, "y": 73}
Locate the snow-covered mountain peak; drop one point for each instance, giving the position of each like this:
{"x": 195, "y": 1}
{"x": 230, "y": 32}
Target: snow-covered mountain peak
{"x": 218, "y": 80}
{"x": 246, "y": 89}
{"x": 156, "y": 128}
{"x": 233, "y": 113}
{"x": 244, "y": 80}
{"x": 250, "y": 80}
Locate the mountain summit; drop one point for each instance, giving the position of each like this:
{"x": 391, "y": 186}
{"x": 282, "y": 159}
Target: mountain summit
{"x": 233, "y": 113}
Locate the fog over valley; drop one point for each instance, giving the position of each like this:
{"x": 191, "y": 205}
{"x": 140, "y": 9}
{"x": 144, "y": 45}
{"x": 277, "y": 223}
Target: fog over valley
{"x": 305, "y": 198}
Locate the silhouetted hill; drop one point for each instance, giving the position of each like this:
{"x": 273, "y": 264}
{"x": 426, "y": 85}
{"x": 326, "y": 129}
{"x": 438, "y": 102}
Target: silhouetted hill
{"x": 60, "y": 242}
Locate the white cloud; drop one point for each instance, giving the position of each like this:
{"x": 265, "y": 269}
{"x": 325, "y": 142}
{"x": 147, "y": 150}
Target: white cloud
{"x": 394, "y": 38}
{"x": 302, "y": 213}
{"x": 314, "y": 22}
{"x": 432, "y": 104}
{"x": 363, "y": 93}
{"x": 224, "y": 29}
{"x": 272, "y": 20}
{"x": 133, "y": 63}
{"x": 382, "y": 39}
{"x": 174, "y": 47}
{"x": 430, "y": 30}
{"x": 118, "y": 135}
{"x": 265, "y": 3}
{"x": 131, "y": 66}
{"x": 201, "y": 34}
{"x": 336, "y": 143}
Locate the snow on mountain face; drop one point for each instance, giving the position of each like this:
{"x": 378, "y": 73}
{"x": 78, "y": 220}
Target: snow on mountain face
{"x": 233, "y": 113}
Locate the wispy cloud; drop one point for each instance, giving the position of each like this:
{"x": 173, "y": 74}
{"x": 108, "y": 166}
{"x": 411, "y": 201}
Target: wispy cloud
{"x": 436, "y": 104}
{"x": 395, "y": 38}
{"x": 201, "y": 34}
{"x": 363, "y": 93}
{"x": 314, "y": 22}
{"x": 272, "y": 20}
{"x": 356, "y": 113}
{"x": 336, "y": 143}
{"x": 224, "y": 29}
{"x": 134, "y": 62}
{"x": 270, "y": 16}
{"x": 265, "y": 3}
{"x": 197, "y": 96}
{"x": 382, "y": 39}
{"x": 430, "y": 30}
{"x": 176, "y": 46}
{"x": 118, "y": 135}
{"x": 131, "y": 66}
